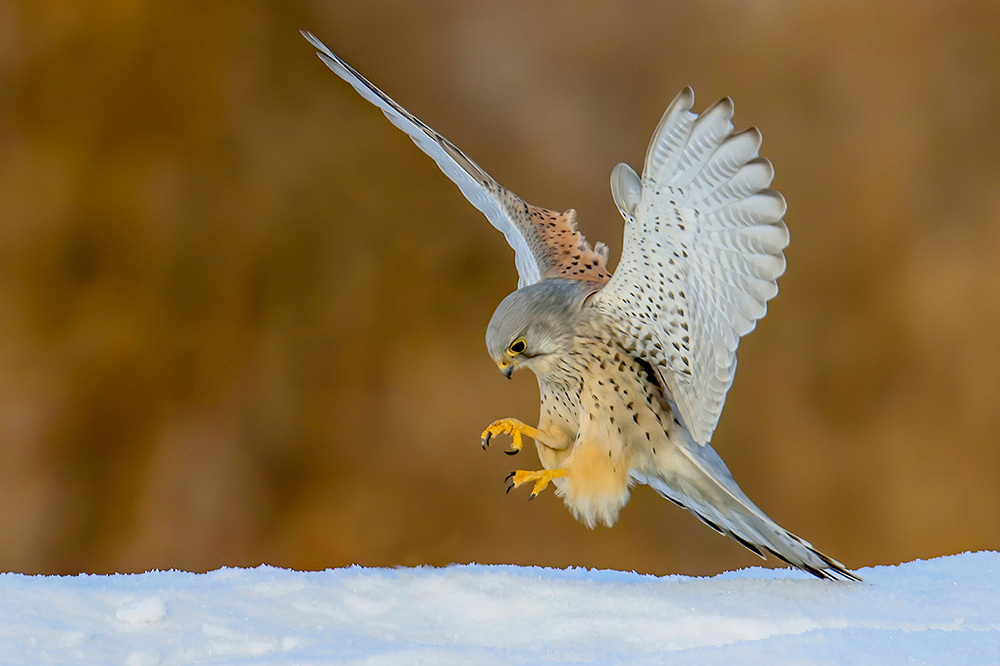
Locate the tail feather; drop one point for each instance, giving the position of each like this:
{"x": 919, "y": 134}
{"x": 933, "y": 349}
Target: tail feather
{"x": 695, "y": 478}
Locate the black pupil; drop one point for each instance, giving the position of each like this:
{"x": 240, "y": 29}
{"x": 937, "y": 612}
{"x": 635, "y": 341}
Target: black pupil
{"x": 517, "y": 347}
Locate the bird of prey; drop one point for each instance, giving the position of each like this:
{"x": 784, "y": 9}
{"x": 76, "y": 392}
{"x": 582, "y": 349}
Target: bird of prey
{"x": 633, "y": 367}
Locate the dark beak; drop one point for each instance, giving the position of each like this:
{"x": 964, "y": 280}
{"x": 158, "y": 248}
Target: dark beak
{"x": 508, "y": 370}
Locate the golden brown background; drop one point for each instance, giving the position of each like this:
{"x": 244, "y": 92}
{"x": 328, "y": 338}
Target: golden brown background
{"x": 241, "y": 315}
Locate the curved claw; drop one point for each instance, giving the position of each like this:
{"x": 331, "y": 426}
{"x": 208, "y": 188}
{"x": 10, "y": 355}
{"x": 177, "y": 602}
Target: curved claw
{"x": 511, "y": 427}
{"x": 541, "y": 479}
{"x": 512, "y": 452}
{"x": 510, "y": 487}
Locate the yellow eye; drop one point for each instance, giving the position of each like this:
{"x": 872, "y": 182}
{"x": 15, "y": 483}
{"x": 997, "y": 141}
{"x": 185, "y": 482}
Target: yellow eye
{"x": 516, "y": 347}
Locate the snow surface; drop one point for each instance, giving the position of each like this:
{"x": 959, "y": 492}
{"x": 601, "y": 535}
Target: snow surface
{"x": 941, "y": 611}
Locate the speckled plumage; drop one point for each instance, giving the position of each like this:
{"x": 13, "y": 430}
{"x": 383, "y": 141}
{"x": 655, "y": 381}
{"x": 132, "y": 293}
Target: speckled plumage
{"x": 633, "y": 368}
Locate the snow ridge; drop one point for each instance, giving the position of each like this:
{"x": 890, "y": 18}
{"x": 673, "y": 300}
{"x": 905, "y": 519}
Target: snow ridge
{"x": 941, "y": 611}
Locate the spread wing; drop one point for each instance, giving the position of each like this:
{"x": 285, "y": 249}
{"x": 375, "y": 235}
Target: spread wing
{"x": 546, "y": 243}
{"x": 703, "y": 249}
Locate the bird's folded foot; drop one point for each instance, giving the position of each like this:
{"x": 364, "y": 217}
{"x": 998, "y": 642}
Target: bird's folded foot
{"x": 516, "y": 429}
{"x": 540, "y": 477}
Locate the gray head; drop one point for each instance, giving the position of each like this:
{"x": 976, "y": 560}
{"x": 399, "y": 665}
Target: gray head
{"x": 535, "y": 322}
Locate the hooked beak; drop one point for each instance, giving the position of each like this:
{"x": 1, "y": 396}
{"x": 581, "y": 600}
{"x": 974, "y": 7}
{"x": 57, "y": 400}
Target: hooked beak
{"x": 506, "y": 367}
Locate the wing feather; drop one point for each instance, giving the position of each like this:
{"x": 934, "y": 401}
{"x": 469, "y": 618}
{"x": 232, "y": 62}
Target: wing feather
{"x": 670, "y": 135}
{"x": 703, "y": 249}
{"x": 708, "y": 131}
{"x": 546, "y": 243}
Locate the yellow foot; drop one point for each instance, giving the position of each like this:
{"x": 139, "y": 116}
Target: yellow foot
{"x": 511, "y": 427}
{"x": 541, "y": 479}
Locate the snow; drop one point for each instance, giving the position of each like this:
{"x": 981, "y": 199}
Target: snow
{"x": 940, "y": 611}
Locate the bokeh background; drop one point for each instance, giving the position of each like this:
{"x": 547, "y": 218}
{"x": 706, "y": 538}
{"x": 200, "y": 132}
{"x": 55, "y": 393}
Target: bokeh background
{"x": 242, "y": 316}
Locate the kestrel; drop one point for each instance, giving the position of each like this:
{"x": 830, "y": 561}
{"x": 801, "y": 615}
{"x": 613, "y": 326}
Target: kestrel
{"x": 633, "y": 367}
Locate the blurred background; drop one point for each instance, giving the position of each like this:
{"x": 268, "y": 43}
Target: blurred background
{"x": 242, "y": 316}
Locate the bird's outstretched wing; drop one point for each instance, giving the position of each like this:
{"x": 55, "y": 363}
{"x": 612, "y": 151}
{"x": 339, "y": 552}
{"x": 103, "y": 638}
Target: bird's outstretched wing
{"x": 546, "y": 243}
{"x": 703, "y": 249}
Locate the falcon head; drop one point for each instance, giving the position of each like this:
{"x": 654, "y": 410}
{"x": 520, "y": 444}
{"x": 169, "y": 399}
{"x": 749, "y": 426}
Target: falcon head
{"x": 535, "y": 324}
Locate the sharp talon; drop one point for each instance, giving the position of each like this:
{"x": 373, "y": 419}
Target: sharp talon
{"x": 532, "y": 496}
{"x": 509, "y": 488}
{"x": 512, "y": 452}
{"x": 486, "y": 442}
{"x": 509, "y": 476}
